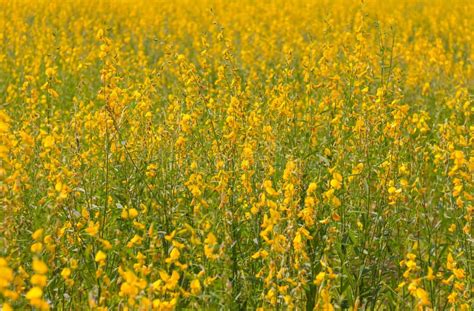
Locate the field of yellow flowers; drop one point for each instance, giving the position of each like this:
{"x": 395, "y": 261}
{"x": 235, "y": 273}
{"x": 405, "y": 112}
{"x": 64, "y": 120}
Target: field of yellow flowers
{"x": 236, "y": 155}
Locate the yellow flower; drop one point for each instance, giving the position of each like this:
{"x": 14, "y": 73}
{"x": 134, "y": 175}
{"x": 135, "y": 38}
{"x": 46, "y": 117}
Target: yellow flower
{"x": 93, "y": 228}
{"x": 260, "y": 254}
{"x": 211, "y": 239}
{"x": 196, "y": 287}
{"x": 34, "y": 293}
{"x": 320, "y": 278}
{"x": 459, "y": 273}
{"x": 128, "y": 290}
{"x": 336, "y": 180}
{"x": 430, "y": 276}
{"x": 135, "y": 240}
{"x": 37, "y": 234}
{"x": 37, "y": 247}
{"x": 100, "y": 257}
{"x": 298, "y": 242}
{"x": 39, "y": 266}
{"x": 48, "y": 141}
{"x": 422, "y": 295}
{"x": 450, "y": 264}
{"x": 74, "y": 264}
{"x": 311, "y": 188}
{"x": 39, "y": 280}
{"x": 452, "y": 298}
{"x": 174, "y": 256}
{"x": 6, "y": 274}
{"x": 170, "y": 281}
{"x": 132, "y": 213}
{"x": 66, "y": 273}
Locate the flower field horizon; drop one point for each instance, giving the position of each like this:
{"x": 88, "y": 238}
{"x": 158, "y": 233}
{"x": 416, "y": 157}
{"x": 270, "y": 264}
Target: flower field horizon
{"x": 236, "y": 155}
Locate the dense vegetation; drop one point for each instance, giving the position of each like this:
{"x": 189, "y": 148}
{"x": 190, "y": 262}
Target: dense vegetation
{"x": 215, "y": 154}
